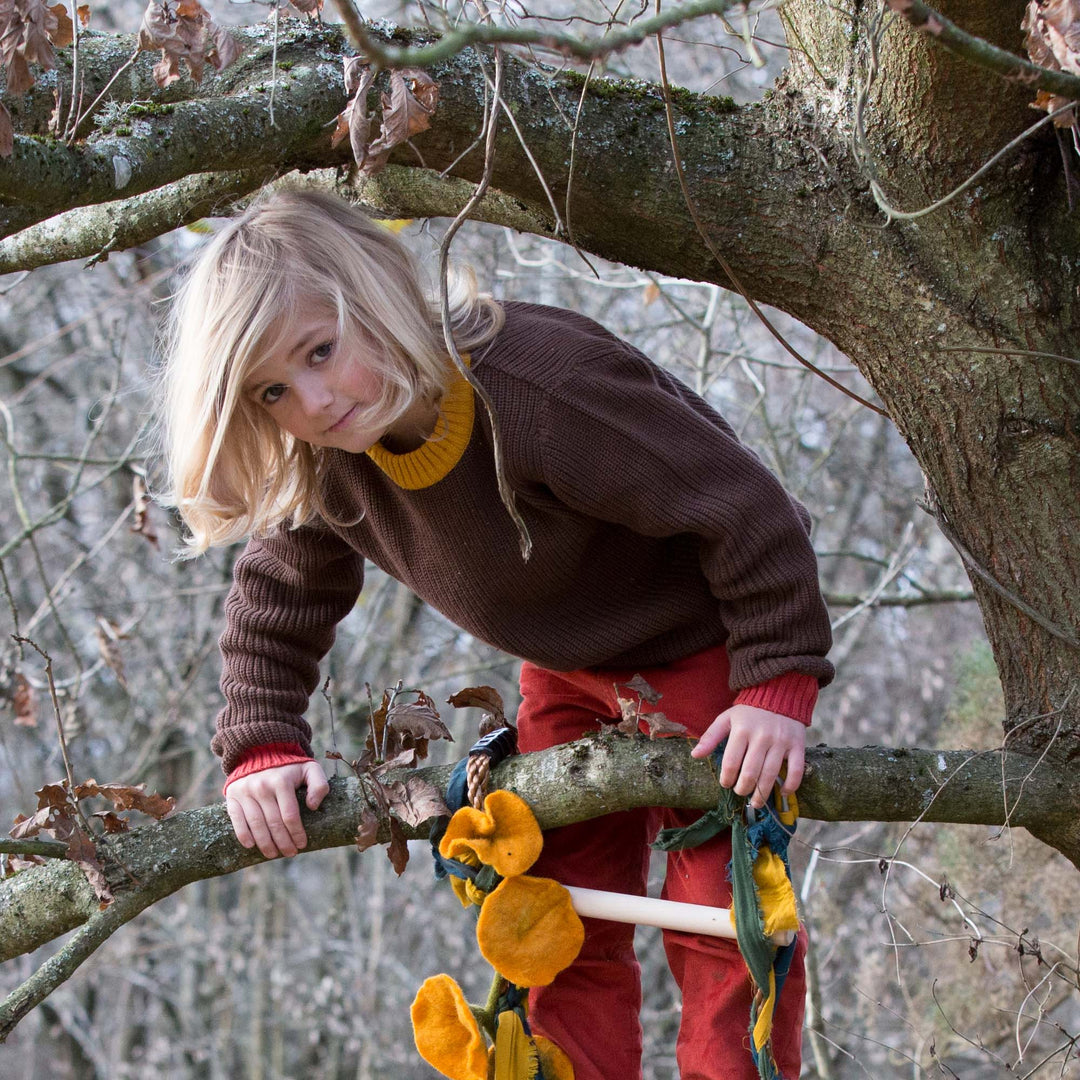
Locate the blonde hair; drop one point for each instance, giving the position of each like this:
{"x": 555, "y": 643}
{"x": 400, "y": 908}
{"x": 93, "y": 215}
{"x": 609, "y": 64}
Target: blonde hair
{"x": 232, "y": 471}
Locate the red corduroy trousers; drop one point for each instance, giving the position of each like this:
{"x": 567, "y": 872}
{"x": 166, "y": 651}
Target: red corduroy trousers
{"x": 591, "y": 1009}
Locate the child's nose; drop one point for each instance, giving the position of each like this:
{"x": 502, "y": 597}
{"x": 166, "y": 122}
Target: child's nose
{"x": 315, "y": 396}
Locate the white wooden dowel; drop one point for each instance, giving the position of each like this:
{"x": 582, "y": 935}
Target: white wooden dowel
{"x": 647, "y": 911}
{"x": 667, "y": 914}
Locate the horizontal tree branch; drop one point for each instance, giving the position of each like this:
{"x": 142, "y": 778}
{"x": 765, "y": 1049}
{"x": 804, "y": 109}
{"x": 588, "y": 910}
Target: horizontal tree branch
{"x": 594, "y": 776}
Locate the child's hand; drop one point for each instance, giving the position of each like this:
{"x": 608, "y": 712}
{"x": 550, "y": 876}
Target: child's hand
{"x": 759, "y": 742}
{"x": 264, "y": 810}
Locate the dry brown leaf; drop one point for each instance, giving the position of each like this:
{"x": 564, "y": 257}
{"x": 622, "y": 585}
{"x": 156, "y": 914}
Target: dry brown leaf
{"x": 25, "y": 827}
{"x": 307, "y": 7}
{"x": 406, "y": 111}
{"x": 189, "y": 34}
{"x": 1052, "y": 40}
{"x": 142, "y": 523}
{"x": 128, "y": 797}
{"x": 108, "y": 639}
{"x": 418, "y": 719}
{"x": 398, "y": 849}
{"x": 368, "y": 832}
{"x": 84, "y": 14}
{"x": 659, "y": 724}
{"x": 113, "y": 822}
{"x": 24, "y": 698}
{"x": 19, "y": 79}
{"x": 415, "y": 801}
{"x": 82, "y": 851}
{"x": 639, "y": 686}
{"x": 630, "y": 708}
{"x": 64, "y": 34}
{"x": 478, "y": 697}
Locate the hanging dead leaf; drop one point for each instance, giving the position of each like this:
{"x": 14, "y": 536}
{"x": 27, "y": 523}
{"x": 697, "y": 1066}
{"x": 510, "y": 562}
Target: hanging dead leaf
{"x": 415, "y": 801}
{"x": 406, "y": 111}
{"x": 187, "y": 33}
{"x": 108, "y": 639}
{"x": 377, "y": 725}
{"x": 82, "y": 851}
{"x": 478, "y": 697}
{"x": 128, "y": 797}
{"x": 353, "y": 120}
{"x": 84, "y": 14}
{"x": 25, "y": 701}
{"x": 639, "y": 686}
{"x": 405, "y": 760}
{"x": 367, "y": 834}
{"x": 659, "y": 724}
{"x": 141, "y": 498}
{"x": 64, "y": 34}
{"x": 113, "y": 822}
{"x": 417, "y": 719}
{"x": 630, "y": 708}
{"x": 53, "y": 795}
{"x": 307, "y": 7}
{"x": 398, "y": 849}
{"x": 1052, "y": 39}
{"x": 25, "y": 827}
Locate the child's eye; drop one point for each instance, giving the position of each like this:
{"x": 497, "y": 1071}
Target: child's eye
{"x": 273, "y": 393}
{"x": 322, "y": 352}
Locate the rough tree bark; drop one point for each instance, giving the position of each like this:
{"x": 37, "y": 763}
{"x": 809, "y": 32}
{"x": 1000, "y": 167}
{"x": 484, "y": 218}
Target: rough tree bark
{"x": 943, "y": 314}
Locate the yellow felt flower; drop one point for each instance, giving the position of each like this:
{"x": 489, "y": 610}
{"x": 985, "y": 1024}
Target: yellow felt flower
{"x": 446, "y": 1032}
{"x": 467, "y": 892}
{"x": 556, "y": 1065}
{"x": 528, "y": 930}
{"x": 504, "y": 835}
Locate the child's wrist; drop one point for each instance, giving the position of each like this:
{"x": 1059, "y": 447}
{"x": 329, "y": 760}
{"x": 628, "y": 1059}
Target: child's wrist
{"x": 268, "y": 756}
{"x": 792, "y": 694}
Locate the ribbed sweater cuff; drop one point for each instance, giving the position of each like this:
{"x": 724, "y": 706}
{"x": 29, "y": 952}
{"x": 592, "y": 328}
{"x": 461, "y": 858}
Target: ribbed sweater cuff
{"x": 792, "y": 694}
{"x": 269, "y": 756}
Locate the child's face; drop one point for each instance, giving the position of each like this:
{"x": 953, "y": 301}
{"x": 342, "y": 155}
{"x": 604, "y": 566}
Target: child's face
{"x": 316, "y": 383}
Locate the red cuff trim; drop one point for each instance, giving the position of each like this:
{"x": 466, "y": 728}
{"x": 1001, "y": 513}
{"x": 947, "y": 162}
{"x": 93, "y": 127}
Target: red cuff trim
{"x": 793, "y": 694}
{"x": 269, "y": 756}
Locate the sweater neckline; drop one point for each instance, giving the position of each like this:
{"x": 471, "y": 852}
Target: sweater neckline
{"x": 444, "y": 447}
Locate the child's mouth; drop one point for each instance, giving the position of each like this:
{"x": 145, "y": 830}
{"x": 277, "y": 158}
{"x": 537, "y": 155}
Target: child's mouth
{"x": 341, "y": 423}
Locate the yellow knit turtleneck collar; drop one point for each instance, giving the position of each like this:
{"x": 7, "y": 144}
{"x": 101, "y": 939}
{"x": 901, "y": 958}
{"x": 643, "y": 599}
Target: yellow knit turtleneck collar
{"x": 444, "y": 447}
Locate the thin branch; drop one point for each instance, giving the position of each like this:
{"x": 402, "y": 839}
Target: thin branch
{"x": 568, "y": 45}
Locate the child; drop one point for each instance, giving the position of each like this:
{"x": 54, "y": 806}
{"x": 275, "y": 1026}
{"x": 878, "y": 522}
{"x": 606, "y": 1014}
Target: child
{"x": 311, "y": 404}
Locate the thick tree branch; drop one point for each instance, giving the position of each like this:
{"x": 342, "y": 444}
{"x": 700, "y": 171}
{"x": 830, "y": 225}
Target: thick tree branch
{"x": 980, "y": 52}
{"x": 595, "y": 776}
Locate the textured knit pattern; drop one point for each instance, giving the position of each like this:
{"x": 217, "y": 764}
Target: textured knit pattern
{"x": 656, "y": 534}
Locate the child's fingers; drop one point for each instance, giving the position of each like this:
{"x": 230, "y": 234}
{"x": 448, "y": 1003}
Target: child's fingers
{"x": 714, "y": 735}
{"x": 770, "y": 770}
{"x": 796, "y": 765}
{"x": 239, "y": 823}
{"x": 731, "y": 765}
{"x": 317, "y": 786}
{"x": 266, "y": 839}
{"x": 288, "y": 810}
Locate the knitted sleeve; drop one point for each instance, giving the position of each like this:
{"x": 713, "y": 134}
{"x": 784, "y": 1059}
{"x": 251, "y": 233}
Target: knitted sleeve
{"x": 289, "y": 592}
{"x": 624, "y": 441}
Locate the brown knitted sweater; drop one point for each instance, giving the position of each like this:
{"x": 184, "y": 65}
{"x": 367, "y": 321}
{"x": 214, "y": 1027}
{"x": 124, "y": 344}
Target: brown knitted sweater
{"x": 655, "y": 532}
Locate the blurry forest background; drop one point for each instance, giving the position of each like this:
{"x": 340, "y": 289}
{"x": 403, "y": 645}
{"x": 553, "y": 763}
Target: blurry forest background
{"x": 305, "y": 969}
